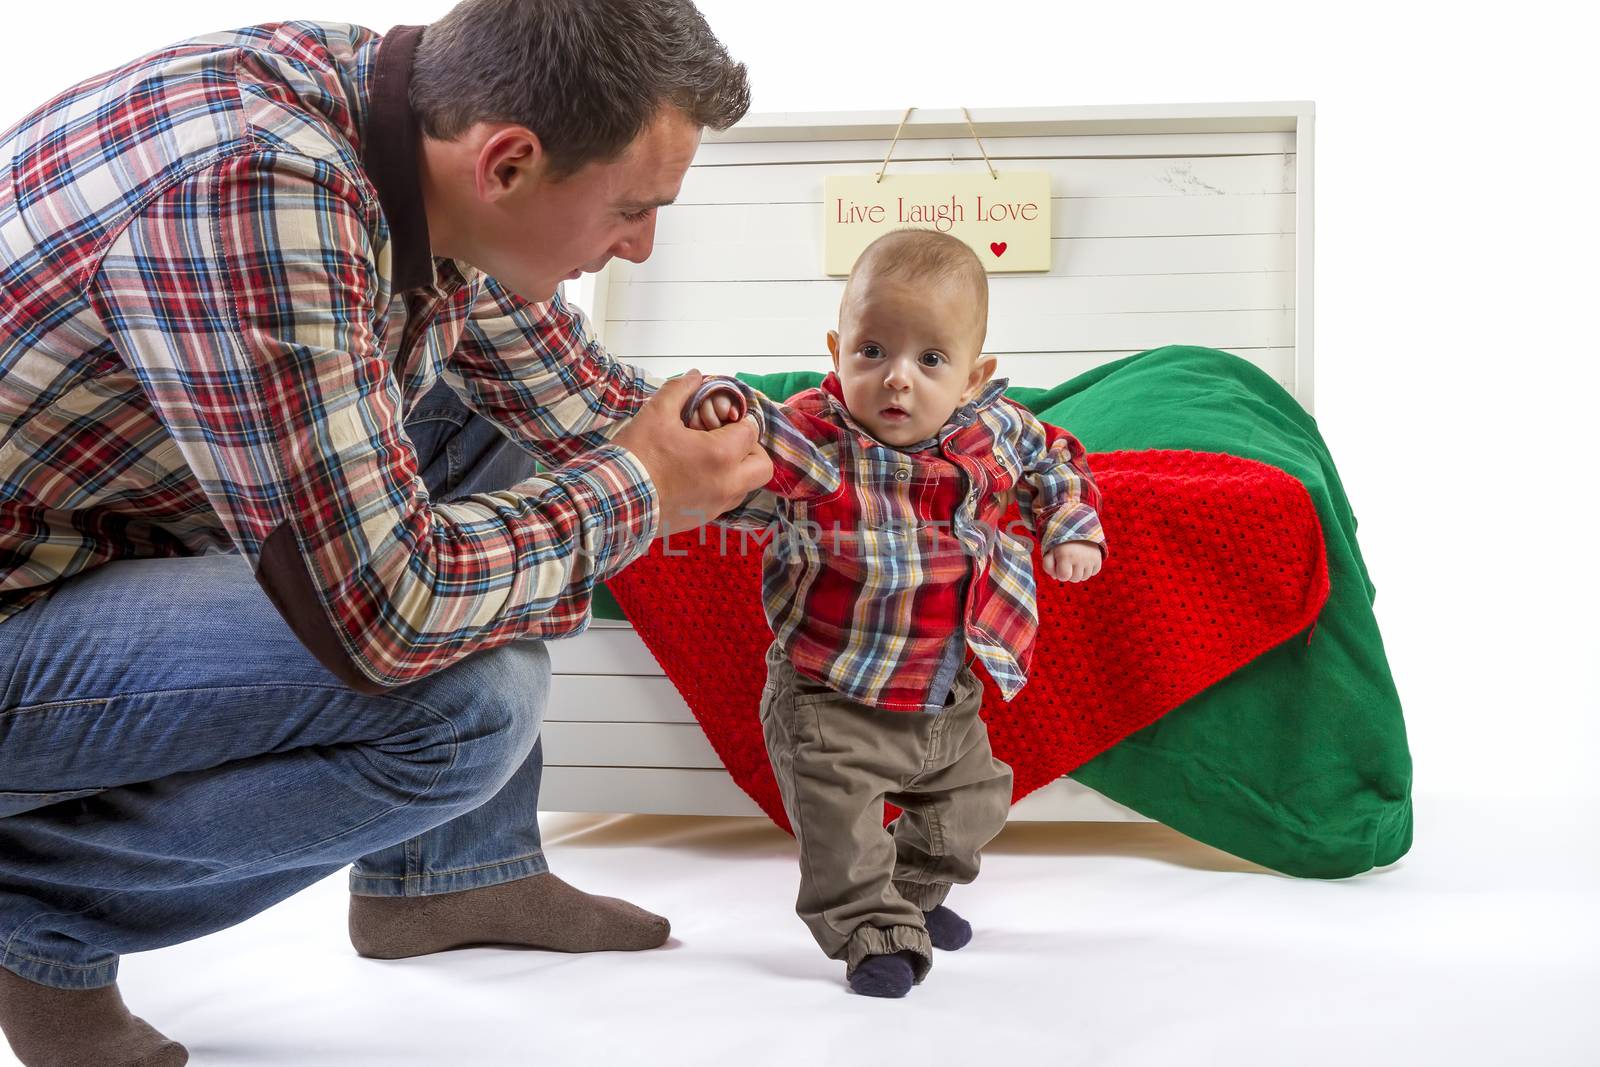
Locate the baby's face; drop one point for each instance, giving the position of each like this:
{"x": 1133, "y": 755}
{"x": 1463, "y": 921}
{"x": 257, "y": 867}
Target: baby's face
{"x": 908, "y": 354}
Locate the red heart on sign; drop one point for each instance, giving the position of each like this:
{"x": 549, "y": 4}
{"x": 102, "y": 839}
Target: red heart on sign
{"x": 997, "y": 247}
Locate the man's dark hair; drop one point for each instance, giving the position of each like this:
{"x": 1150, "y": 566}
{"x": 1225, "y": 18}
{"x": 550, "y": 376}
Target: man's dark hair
{"x": 586, "y": 76}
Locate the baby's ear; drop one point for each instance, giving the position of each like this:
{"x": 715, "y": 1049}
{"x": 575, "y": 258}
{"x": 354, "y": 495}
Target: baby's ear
{"x": 833, "y": 347}
{"x": 983, "y": 369}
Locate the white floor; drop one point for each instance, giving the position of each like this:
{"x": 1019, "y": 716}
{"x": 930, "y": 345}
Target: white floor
{"x": 1095, "y": 944}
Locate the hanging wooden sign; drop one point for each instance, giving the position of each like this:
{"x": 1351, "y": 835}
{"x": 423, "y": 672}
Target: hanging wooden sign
{"x": 1004, "y": 216}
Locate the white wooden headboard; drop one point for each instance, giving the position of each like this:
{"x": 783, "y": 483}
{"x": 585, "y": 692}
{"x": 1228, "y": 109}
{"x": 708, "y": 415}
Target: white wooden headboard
{"x": 1179, "y": 224}
{"x": 1172, "y": 224}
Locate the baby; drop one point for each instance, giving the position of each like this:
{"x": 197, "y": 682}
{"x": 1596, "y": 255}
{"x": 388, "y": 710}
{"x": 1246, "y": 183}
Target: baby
{"x": 887, "y": 565}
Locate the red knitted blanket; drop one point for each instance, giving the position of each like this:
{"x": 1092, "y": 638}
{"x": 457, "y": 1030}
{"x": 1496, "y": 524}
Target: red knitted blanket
{"x": 1214, "y": 560}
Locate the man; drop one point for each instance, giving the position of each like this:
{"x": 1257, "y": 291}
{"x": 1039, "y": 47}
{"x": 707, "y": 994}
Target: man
{"x": 262, "y": 576}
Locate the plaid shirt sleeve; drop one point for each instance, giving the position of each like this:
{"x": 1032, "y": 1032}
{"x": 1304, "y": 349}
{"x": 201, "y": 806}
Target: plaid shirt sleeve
{"x": 244, "y": 299}
{"x": 799, "y": 467}
{"x": 1055, "y": 494}
{"x": 535, "y": 370}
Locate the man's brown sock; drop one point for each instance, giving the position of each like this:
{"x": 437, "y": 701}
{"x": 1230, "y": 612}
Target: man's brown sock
{"x": 50, "y": 1027}
{"x": 540, "y": 911}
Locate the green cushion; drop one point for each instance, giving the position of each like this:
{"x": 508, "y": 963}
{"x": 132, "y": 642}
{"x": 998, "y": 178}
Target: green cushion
{"x": 1299, "y": 760}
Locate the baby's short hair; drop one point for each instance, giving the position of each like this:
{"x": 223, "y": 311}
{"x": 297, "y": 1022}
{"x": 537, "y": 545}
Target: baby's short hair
{"x": 925, "y": 255}
{"x": 917, "y": 255}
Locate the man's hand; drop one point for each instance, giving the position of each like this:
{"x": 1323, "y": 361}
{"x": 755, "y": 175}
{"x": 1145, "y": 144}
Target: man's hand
{"x": 1074, "y": 561}
{"x": 698, "y": 474}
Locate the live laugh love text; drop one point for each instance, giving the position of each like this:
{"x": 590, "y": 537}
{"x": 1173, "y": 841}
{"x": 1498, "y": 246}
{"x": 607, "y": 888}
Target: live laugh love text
{"x": 1005, "y": 218}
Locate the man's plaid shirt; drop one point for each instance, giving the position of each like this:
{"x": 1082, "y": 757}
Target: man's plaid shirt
{"x": 218, "y": 305}
{"x": 886, "y": 565}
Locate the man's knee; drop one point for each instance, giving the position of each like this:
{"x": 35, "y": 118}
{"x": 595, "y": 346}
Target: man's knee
{"x": 459, "y": 452}
{"x": 493, "y": 705}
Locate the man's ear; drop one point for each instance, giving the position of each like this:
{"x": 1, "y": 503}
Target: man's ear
{"x": 982, "y": 370}
{"x": 833, "y": 347}
{"x": 509, "y": 160}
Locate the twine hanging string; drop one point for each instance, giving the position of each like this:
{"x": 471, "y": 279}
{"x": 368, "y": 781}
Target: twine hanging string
{"x": 896, "y": 140}
{"x": 892, "y": 143}
{"x": 985, "y": 151}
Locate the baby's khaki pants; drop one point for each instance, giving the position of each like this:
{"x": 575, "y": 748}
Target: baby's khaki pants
{"x": 864, "y": 888}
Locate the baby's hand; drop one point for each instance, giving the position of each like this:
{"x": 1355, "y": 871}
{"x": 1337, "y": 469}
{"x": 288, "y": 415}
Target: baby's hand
{"x": 1074, "y": 561}
{"x": 723, "y": 406}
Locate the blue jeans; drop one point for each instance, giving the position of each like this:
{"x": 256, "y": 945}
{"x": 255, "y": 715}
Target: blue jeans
{"x": 173, "y": 761}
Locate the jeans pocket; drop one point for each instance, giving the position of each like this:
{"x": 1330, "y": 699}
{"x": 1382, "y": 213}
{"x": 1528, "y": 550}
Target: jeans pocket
{"x": 17, "y": 803}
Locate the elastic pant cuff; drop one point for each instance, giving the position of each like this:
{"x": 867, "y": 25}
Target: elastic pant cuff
{"x": 886, "y": 941}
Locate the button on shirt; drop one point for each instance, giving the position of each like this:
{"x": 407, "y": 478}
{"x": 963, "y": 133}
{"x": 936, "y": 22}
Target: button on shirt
{"x": 220, "y": 302}
{"x": 885, "y": 565}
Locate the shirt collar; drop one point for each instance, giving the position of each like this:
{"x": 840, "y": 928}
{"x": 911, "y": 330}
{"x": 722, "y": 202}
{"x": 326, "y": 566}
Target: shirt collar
{"x": 962, "y": 416}
{"x": 990, "y": 393}
{"x": 390, "y": 150}
{"x": 833, "y": 391}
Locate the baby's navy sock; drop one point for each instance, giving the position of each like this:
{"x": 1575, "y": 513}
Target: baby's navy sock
{"x": 946, "y": 929}
{"x": 883, "y": 976}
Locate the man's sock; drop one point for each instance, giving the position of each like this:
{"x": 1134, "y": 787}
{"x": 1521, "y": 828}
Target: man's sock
{"x": 50, "y": 1027}
{"x": 946, "y": 929}
{"x": 540, "y": 911}
{"x": 883, "y": 976}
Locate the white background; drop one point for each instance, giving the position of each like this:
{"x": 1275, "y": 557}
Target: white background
{"x": 1456, "y": 357}
{"x": 1455, "y": 244}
